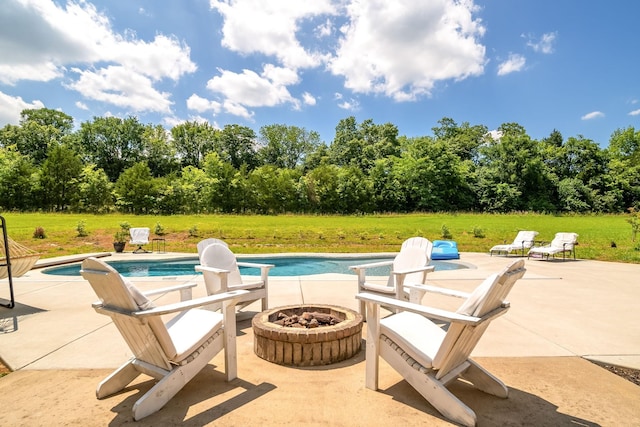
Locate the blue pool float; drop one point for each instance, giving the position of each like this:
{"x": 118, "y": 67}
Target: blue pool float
{"x": 445, "y": 249}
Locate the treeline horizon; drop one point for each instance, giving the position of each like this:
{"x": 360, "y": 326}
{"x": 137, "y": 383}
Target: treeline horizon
{"x": 112, "y": 164}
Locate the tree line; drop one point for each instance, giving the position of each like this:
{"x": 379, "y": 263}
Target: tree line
{"x": 119, "y": 164}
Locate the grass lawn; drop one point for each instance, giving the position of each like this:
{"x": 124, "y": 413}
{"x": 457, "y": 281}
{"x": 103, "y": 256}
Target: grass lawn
{"x": 249, "y": 234}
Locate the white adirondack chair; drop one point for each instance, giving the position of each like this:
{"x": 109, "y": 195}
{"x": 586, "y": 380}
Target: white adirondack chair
{"x": 411, "y": 265}
{"x": 524, "y": 240}
{"x": 561, "y": 243}
{"x": 206, "y": 242}
{"x": 428, "y": 357}
{"x": 172, "y": 352}
{"x": 220, "y": 271}
{"x": 140, "y": 237}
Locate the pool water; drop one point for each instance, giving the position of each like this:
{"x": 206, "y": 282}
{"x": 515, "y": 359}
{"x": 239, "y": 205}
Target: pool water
{"x": 284, "y": 266}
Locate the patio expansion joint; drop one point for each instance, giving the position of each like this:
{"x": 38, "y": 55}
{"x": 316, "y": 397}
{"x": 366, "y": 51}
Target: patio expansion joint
{"x": 62, "y": 346}
{"x": 542, "y": 337}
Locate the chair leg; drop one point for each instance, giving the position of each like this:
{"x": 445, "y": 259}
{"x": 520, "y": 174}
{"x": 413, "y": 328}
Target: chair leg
{"x": 158, "y": 396}
{"x": 118, "y": 380}
{"x": 485, "y": 381}
{"x": 431, "y": 389}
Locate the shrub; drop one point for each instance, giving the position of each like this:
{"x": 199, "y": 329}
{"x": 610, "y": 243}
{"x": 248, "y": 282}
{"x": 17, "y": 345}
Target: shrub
{"x": 193, "y": 231}
{"x": 158, "y": 230}
{"x": 39, "y": 233}
{"x": 478, "y": 232}
{"x": 446, "y": 234}
{"x": 80, "y": 228}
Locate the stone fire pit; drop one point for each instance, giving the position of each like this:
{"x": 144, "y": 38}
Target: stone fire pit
{"x": 322, "y": 345}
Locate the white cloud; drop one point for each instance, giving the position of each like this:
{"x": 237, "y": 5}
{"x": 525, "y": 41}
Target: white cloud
{"x": 269, "y": 28}
{"x": 514, "y": 63}
{"x": 545, "y": 44}
{"x": 350, "y": 104}
{"x": 403, "y": 48}
{"x": 199, "y": 104}
{"x": 237, "y": 110}
{"x": 123, "y": 88}
{"x": 325, "y": 29}
{"x": 635, "y": 113}
{"x": 593, "y": 115}
{"x": 82, "y": 106}
{"x": 12, "y": 106}
{"x": 39, "y": 39}
{"x": 308, "y": 99}
{"x": 240, "y": 91}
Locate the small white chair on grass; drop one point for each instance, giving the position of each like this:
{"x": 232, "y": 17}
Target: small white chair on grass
{"x": 172, "y": 352}
{"x": 140, "y": 237}
{"x": 429, "y": 357}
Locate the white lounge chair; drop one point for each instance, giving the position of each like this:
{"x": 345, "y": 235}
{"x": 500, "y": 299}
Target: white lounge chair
{"x": 561, "y": 243}
{"x": 524, "y": 240}
{"x": 219, "y": 268}
{"x": 140, "y": 237}
{"x": 172, "y": 352}
{"x": 429, "y": 357}
{"x": 411, "y": 265}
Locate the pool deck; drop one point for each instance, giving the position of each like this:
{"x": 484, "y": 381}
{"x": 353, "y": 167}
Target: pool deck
{"x": 562, "y": 314}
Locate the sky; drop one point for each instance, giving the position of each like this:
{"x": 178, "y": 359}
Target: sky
{"x": 569, "y": 65}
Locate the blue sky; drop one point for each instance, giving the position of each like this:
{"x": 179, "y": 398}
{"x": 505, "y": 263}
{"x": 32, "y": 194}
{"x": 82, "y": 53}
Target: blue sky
{"x": 568, "y": 65}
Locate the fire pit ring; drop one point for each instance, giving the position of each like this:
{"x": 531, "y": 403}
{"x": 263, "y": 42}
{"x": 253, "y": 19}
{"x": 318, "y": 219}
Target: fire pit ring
{"x": 323, "y": 345}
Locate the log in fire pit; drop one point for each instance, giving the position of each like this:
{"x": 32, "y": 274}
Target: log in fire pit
{"x": 307, "y": 335}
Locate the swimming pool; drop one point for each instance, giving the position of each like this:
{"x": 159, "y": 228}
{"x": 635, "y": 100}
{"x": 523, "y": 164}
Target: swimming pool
{"x": 284, "y": 266}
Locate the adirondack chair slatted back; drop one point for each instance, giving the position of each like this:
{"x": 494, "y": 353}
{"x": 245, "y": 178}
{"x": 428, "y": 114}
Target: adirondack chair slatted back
{"x": 220, "y": 256}
{"x": 148, "y": 339}
{"x": 420, "y": 242}
{"x": 461, "y": 339}
{"x": 409, "y": 258}
{"x": 202, "y": 244}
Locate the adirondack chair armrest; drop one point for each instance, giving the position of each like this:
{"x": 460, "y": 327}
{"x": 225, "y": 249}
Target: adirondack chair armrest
{"x": 185, "y": 289}
{"x": 371, "y": 265}
{"x": 264, "y": 269}
{"x": 186, "y": 305}
{"x": 214, "y": 270}
{"x": 425, "y": 268}
{"x": 430, "y": 312}
{"x": 255, "y": 265}
{"x": 168, "y": 289}
{"x": 437, "y": 290}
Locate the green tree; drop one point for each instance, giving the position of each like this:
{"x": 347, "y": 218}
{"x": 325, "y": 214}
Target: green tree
{"x": 159, "y": 152}
{"x": 464, "y": 140}
{"x": 18, "y": 180}
{"x": 136, "y": 190}
{"x": 226, "y": 192}
{"x": 361, "y": 145}
{"x": 59, "y": 178}
{"x": 273, "y": 190}
{"x": 112, "y": 144}
{"x": 624, "y": 166}
{"x": 95, "y": 190}
{"x": 286, "y": 146}
{"x": 238, "y": 146}
{"x": 511, "y": 173}
{"x": 193, "y": 141}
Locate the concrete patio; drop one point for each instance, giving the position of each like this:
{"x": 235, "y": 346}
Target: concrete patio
{"x": 562, "y": 314}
